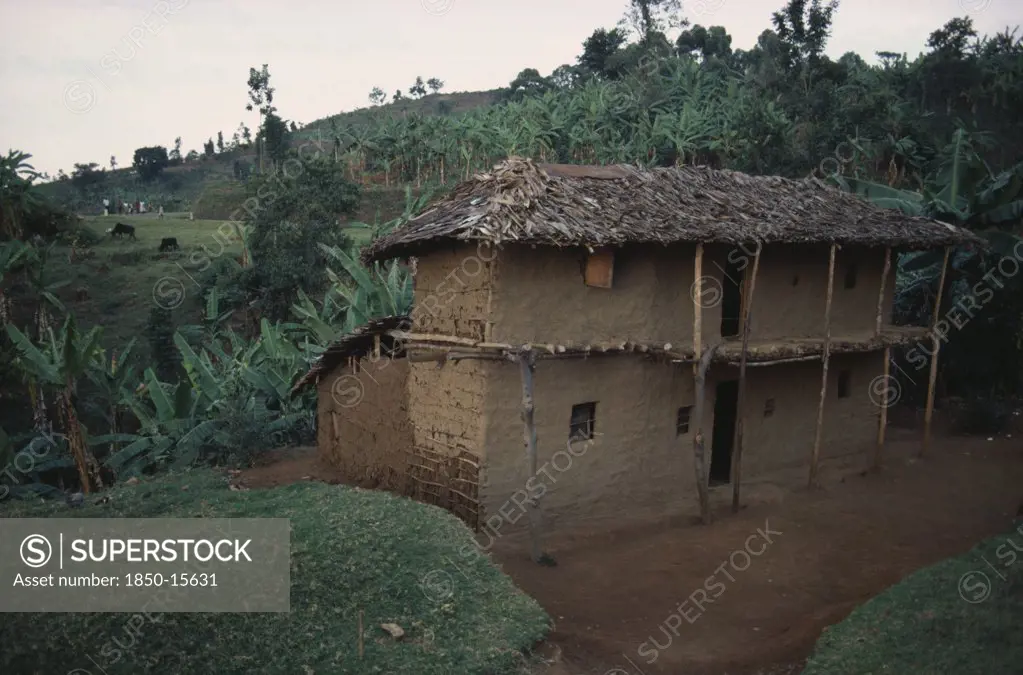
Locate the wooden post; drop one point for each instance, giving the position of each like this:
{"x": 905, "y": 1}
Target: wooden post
{"x": 880, "y": 295}
{"x": 751, "y": 279}
{"x": 936, "y": 342}
{"x": 360, "y": 634}
{"x": 699, "y": 464}
{"x": 883, "y": 421}
{"x": 697, "y": 307}
{"x": 527, "y": 365}
{"x": 826, "y": 358}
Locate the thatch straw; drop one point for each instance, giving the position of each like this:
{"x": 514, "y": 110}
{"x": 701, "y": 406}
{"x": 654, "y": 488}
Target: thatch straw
{"x": 566, "y": 205}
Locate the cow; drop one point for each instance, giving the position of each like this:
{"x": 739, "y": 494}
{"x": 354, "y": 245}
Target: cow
{"x": 120, "y": 229}
{"x": 168, "y": 244}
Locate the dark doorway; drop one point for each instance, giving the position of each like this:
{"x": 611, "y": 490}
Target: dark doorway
{"x": 731, "y": 300}
{"x": 725, "y": 410}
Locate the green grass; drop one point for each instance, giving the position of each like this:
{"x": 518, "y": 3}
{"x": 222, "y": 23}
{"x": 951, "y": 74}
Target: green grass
{"x": 924, "y": 625}
{"x": 124, "y": 279}
{"x": 351, "y": 550}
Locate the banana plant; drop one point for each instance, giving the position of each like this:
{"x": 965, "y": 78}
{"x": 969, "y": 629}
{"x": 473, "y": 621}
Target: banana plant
{"x": 173, "y": 434}
{"x": 58, "y": 365}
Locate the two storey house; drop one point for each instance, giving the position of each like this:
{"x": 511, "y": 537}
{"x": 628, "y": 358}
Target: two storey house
{"x": 552, "y": 362}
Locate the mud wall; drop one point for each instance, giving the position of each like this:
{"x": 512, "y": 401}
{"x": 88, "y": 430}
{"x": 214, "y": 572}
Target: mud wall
{"x": 635, "y": 462}
{"x": 452, "y": 291}
{"x": 792, "y": 287}
{"x": 539, "y": 296}
{"x": 785, "y": 438}
{"x": 446, "y": 410}
{"x": 637, "y": 466}
{"x": 363, "y": 424}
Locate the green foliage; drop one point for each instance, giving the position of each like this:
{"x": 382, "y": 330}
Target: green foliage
{"x": 296, "y": 211}
{"x": 88, "y": 175}
{"x": 355, "y": 551}
{"x": 160, "y": 335}
{"x": 923, "y": 625}
{"x": 150, "y": 162}
{"x": 18, "y": 197}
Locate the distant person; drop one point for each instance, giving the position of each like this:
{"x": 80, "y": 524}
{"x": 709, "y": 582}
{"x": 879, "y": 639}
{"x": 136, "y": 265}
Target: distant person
{"x": 142, "y": 207}
{"x": 161, "y": 212}
{"x": 106, "y": 207}
{"x": 138, "y": 205}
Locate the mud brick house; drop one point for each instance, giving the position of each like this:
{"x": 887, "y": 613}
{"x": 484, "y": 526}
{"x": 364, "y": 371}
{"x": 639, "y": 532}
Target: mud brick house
{"x": 698, "y": 328}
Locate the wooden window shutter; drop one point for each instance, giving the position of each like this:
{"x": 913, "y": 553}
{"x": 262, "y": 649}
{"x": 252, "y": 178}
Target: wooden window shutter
{"x": 600, "y": 268}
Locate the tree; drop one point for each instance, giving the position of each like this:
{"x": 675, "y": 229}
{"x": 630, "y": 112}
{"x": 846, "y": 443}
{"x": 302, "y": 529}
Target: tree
{"x": 87, "y": 175}
{"x": 150, "y": 162}
{"x": 398, "y": 96}
{"x": 804, "y": 31}
{"x": 564, "y": 76}
{"x": 18, "y": 196}
{"x": 246, "y": 133}
{"x": 647, "y": 17}
{"x": 434, "y": 84}
{"x": 528, "y": 82}
{"x": 377, "y": 96}
{"x": 113, "y": 163}
{"x": 261, "y": 97}
{"x": 175, "y": 154}
{"x": 274, "y": 138}
{"x": 220, "y": 141}
{"x": 598, "y": 50}
{"x": 192, "y": 156}
{"x": 284, "y": 234}
{"x": 707, "y": 43}
{"x": 208, "y": 149}
{"x": 418, "y": 89}
{"x": 59, "y": 365}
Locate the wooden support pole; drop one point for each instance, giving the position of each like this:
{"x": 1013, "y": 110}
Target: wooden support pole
{"x": 700, "y": 465}
{"x": 882, "y": 423}
{"x": 527, "y": 366}
{"x": 826, "y": 359}
{"x": 697, "y": 294}
{"x": 749, "y": 286}
{"x": 936, "y": 343}
{"x": 361, "y": 632}
{"x": 880, "y": 295}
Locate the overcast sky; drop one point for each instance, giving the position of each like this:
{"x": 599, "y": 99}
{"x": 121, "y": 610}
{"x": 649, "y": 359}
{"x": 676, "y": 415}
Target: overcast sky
{"x": 80, "y": 81}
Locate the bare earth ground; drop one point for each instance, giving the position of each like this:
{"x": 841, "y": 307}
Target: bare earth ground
{"x": 613, "y": 593}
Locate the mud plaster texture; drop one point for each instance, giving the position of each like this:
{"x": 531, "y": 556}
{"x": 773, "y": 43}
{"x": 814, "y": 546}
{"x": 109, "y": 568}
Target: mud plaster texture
{"x": 637, "y": 466}
{"x": 539, "y": 294}
{"x": 363, "y": 422}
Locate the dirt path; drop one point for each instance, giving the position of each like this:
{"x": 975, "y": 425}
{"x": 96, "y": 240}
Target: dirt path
{"x": 752, "y": 593}
{"x": 287, "y": 466}
{"x": 682, "y": 599}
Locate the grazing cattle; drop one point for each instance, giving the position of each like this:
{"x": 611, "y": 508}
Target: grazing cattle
{"x": 120, "y": 229}
{"x": 168, "y": 244}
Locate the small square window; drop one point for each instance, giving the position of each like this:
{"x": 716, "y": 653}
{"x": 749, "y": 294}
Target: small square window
{"x": 682, "y": 421}
{"x": 850, "y": 276}
{"x": 844, "y": 383}
{"x": 584, "y": 416}
{"x": 600, "y": 268}
{"x": 769, "y": 407}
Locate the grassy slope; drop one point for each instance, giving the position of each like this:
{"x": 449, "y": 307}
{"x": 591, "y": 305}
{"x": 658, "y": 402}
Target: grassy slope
{"x": 923, "y": 624}
{"x": 122, "y": 276}
{"x": 351, "y": 550}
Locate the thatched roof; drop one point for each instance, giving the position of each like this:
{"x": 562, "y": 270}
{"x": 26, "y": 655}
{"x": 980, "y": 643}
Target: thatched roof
{"x": 567, "y": 205}
{"x": 358, "y": 343}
